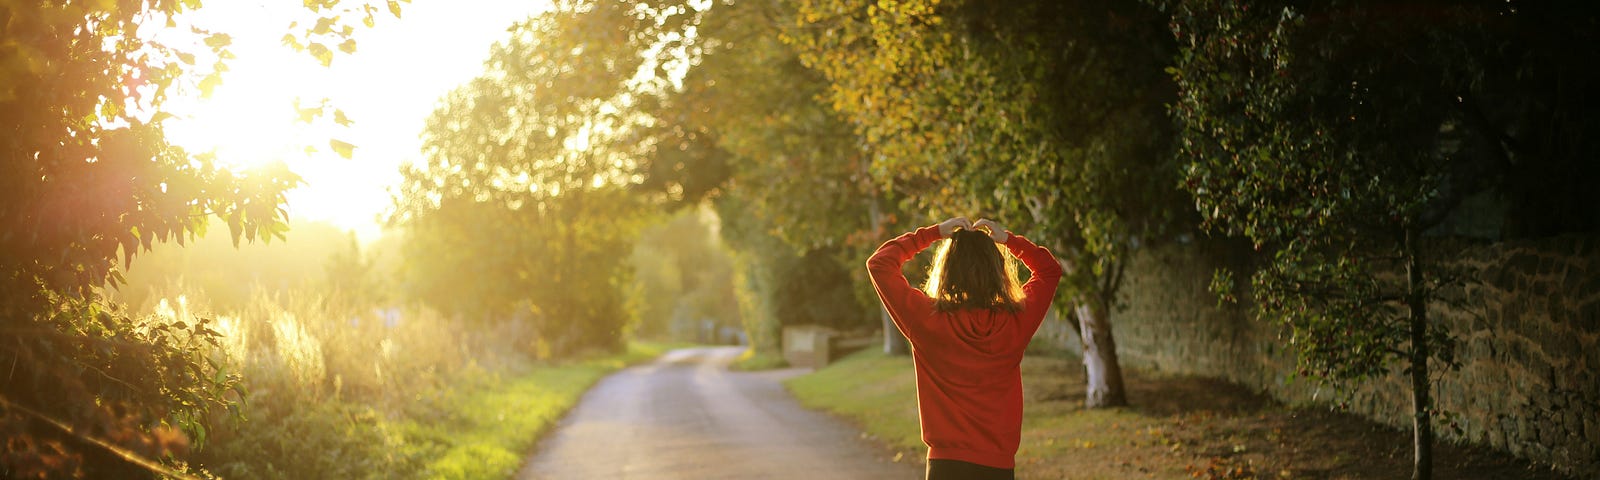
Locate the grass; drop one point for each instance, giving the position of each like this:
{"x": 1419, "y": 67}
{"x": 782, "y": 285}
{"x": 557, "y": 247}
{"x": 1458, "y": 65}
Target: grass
{"x": 876, "y": 391}
{"x": 1178, "y": 428}
{"x": 491, "y": 430}
{"x": 751, "y": 361}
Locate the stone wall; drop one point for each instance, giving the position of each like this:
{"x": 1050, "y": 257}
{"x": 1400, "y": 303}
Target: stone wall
{"x": 1529, "y": 333}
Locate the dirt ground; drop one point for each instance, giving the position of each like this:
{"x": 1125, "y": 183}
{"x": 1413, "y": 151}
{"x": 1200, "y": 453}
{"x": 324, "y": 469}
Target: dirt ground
{"x": 1185, "y": 427}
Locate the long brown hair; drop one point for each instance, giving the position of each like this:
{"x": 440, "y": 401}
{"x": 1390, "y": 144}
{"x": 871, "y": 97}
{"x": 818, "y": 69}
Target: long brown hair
{"x": 970, "y": 272}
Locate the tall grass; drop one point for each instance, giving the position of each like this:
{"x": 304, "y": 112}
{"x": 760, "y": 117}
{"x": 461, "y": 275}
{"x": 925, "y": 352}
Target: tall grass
{"x": 334, "y": 392}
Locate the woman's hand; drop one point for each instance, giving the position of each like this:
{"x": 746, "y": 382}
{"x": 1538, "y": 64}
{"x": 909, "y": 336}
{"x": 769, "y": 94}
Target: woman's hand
{"x": 950, "y": 226}
{"x": 996, "y": 232}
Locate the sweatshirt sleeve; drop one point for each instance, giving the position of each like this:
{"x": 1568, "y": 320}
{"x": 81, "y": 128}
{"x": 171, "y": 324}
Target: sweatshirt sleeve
{"x": 1041, "y": 287}
{"x": 907, "y": 306}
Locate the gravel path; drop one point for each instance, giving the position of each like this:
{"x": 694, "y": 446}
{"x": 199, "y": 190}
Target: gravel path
{"x": 686, "y": 416}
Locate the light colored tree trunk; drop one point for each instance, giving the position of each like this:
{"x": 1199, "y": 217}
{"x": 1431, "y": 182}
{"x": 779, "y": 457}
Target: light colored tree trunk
{"x": 1104, "y": 388}
{"x": 894, "y": 343}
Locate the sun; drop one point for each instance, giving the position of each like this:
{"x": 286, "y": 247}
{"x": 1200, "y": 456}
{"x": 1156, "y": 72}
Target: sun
{"x": 248, "y": 122}
{"x": 252, "y": 120}
{"x": 387, "y": 88}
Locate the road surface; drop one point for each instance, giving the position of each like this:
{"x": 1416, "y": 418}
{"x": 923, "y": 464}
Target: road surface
{"x": 686, "y": 416}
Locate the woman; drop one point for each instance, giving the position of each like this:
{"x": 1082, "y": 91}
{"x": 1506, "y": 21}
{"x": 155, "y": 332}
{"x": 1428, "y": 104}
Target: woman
{"x": 967, "y": 333}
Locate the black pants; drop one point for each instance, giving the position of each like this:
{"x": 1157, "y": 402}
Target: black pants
{"x": 941, "y": 469}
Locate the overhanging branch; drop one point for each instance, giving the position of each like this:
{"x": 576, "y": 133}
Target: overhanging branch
{"x": 117, "y": 451}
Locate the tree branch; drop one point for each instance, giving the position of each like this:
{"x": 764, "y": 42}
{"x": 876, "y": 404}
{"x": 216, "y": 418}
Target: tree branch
{"x": 117, "y": 451}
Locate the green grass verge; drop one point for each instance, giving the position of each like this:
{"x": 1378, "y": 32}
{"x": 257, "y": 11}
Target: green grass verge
{"x": 876, "y": 391}
{"x": 492, "y": 429}
{"x": 752, "y": 361}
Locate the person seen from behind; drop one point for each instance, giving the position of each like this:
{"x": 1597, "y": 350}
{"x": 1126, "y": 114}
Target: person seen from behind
{"x": 967, "y": 329}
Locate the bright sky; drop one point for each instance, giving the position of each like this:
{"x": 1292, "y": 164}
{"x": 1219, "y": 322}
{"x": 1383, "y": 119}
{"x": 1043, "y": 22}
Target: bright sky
{"x": 388, "y": 88}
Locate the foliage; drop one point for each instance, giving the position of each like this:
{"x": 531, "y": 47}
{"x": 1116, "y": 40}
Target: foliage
{"x": 312, "y": 439}
{"x": 1047, "y": 115}
{"x": 142, "y": 386}
{"x": 753, "y": 106}
{"x": 323, "y": 384}
{"x": 1327, "y": 160}
{"x": 735, "y": 126}
{"x": 1335, "y": 135}
{"x": 1328, "y": 136}
{"x": 754, "y": 284}
{"x": 88, "y": 174}
{"x": 523, "y": 202}
{"x": 761, "y": 106}
{"x": 683, "y": 275}
{"x": 800, "y": 204}
{"x": 778, "y": 286}
{"x": 301, "y": 260}
{"x": 561, "y": 267}
{"x": 380, "y": 394}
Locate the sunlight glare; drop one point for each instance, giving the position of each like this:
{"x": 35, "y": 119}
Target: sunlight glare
{"x": 247, "y": 124}
{"x": 387, "y": 88}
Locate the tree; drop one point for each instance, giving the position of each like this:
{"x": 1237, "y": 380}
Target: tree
{"x": 1047, "y": 115}
{"x": 230, "y": 275}
{"x": 683, "y": 275}
{"x": 528, "y": 176}
{"x": 466, "y": 259}
{"x": 796, "y": 167}
{"x": 1335, "y": 136}
{"x": 89, "y": 180}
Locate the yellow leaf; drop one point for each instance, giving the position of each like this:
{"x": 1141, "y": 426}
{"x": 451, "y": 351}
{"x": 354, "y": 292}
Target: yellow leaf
{"x": 344, "y": 149}
{"x": 322, "y": 53}
{"x": 218, "y": 40}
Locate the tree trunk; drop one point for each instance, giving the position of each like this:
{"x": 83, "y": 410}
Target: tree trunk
{"x": 1421, "y": 403}
{"x": 894, "y": 343}
{"x": 1104, "y": 387}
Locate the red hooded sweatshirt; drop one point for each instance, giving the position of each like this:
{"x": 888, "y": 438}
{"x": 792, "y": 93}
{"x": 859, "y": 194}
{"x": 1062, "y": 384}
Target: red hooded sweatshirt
{"x": 968, "y": 362}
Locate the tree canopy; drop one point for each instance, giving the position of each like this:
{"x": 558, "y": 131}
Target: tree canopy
{"x": 1336, "y": 136}
{"x": 89, "y": 181}
{"x": 1047, "y": 115}
{"x": 523, "y": 204}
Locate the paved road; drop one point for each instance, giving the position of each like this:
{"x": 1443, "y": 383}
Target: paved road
{"x": 686, "y": 416}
